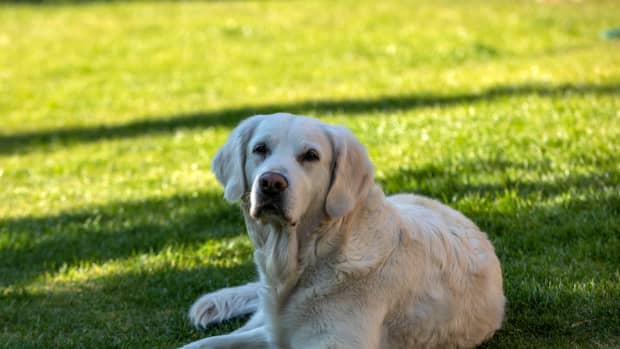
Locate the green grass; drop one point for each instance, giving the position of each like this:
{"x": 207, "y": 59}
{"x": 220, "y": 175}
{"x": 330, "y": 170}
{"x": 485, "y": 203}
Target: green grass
{"x": 111, "y": 222}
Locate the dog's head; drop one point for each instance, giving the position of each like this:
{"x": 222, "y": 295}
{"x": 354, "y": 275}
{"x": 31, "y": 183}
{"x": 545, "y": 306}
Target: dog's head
{"x": 289, "y": 167}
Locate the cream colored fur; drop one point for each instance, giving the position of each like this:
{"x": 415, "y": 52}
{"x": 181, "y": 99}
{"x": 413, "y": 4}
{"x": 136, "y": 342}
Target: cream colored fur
{"x": 344, "y": 266}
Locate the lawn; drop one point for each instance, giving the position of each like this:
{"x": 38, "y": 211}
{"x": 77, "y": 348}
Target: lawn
{"x": 111, "y": 222}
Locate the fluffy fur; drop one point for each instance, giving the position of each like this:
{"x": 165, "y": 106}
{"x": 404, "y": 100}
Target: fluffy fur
{"x": 340, "y": 265}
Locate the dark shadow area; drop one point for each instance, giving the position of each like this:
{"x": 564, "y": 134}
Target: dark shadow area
{"x": 117, "y": 230}
{"x": 144, "y": 309}
{"x": 27, "y": 141}
{"x": 448, "y": 179}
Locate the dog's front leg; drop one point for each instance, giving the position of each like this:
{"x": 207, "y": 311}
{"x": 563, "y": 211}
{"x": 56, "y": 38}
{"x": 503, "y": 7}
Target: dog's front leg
{"x": 257, "y": 320}
{"x": 256, "y": 338}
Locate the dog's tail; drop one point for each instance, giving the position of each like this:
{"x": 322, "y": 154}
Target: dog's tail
{"x": 224, "y": 304}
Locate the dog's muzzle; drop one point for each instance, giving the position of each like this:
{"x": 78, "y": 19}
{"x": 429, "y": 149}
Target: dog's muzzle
{"x": 272, "y": 188}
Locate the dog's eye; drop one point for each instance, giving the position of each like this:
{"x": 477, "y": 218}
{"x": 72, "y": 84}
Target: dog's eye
{"x": 260, "y": 148}
{"x": 311, "y": 155}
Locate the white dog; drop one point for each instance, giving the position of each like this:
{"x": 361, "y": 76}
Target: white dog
{"x": 340, "y": 264}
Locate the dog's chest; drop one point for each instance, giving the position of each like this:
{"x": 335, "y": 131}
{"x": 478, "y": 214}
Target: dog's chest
{"x": 303, "y": 310}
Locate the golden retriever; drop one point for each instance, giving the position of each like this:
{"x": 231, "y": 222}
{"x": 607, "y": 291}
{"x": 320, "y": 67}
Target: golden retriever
{"x": 340, "y": 264}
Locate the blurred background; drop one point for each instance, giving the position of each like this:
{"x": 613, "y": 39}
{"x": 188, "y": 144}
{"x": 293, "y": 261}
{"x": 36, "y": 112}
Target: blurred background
{"x": 111, "y": 222}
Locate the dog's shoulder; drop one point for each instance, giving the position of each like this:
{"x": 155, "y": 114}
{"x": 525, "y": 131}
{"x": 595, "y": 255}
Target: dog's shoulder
{"x": 370, "y": 235}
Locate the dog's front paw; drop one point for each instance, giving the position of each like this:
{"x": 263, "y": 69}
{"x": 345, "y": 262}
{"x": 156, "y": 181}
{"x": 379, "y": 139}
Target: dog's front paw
{"x": 207, "y": 310}
{"x": 224, "y": 304}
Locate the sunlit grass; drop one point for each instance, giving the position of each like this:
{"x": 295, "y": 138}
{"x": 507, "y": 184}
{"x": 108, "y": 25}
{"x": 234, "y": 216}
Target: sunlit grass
{"x": 111, "y": 222}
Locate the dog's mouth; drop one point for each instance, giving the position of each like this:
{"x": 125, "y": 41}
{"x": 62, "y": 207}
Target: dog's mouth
{"x": 269, "y": 208}
{"x": 270, "y": 211}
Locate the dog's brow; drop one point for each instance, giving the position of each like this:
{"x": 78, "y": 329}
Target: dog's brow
{"x": 305, "y": 145}
{"x": 264, "y": 138}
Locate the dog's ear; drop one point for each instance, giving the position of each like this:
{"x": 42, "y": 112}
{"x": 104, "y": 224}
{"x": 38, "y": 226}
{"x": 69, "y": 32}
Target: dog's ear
{"x": 352, "y": 172}
{"x": 229, "y": 162}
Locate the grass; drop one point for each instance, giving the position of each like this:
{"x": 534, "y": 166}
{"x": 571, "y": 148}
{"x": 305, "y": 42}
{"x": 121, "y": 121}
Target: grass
{"x": 111, "y": 222}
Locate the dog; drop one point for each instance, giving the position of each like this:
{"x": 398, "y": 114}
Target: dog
{"x": 341, "y": 265}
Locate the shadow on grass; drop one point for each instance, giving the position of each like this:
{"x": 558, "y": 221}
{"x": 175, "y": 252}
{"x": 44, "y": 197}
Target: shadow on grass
{"x": 46, "y": 244}
{"x": 129, "y": 309}
{"x": 27, "y": 141}
{"x": 449, "y": 179}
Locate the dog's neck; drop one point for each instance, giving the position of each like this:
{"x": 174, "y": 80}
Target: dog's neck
{"x": 282, "y": 252}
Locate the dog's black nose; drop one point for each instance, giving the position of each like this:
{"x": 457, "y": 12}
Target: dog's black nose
{"x": 272, "y": 183}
